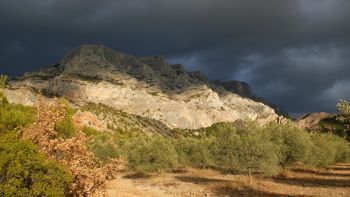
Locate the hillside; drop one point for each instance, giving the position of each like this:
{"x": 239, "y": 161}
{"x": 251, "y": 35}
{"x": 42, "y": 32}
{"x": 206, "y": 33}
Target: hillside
{"x": 102, "y": 123}
{"x": 144, "y": 86}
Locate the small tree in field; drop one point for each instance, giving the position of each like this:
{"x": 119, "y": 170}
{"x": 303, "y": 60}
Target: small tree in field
{"x": 344, "y": 109}
{"x": 246, "y": 150}
{"x": 151, "y": 154}
{"x": 3, "y": 80}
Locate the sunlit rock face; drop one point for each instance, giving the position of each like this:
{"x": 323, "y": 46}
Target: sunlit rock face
{"x": 144, "y": 86}
{"x": 311, "y": 121}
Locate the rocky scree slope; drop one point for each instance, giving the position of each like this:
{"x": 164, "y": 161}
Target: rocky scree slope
{"x": 144, "y": 86}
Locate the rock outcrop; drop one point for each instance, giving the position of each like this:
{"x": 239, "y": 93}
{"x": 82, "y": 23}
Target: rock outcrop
{"x": 311, "y": 121}
{"x": 144, "y": 86}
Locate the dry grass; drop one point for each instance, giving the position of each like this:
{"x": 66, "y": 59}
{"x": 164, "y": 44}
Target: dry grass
{"x": 295, "y": 182}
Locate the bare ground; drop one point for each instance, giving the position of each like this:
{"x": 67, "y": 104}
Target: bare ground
{"x": 301, "y": 181}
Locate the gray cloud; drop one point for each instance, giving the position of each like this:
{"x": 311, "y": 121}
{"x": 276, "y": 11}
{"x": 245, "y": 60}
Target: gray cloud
{"x": 295, "y": 53}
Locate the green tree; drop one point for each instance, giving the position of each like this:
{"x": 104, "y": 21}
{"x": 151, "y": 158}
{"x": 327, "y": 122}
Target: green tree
{"x": 103, "y": 146}
{"x": 151, "y": 154}
{"x": 195, "y": 152}
{"x": 246, "y": 150}
{"x": 294, "y": 144}
{"x": 344, "y": 109}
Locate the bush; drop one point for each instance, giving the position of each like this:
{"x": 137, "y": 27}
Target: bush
{"x": 151, "y": 154}
{"x": 328, "y": 149}
{"x": 294, "y": 144}
{"x": 103, "y": 147}
{"x": 90, "y": 131}
{"x": 25, "y": 172}
{"x": 245, "y": 150}
{"x": 14, "y": 116}
{"x": 212, "y": 131}
{"x": 3, "y": 80}
{"x": 195, "y": 152}
{"x": 343, "y": 150}
{"x": 65, "y": 128}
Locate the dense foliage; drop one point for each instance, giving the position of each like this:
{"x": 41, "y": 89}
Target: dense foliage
{"x": 103, "y": 146}
{"x": 14, "y": 116}
{"x": 195, "y": 152}
{"x": 243, "y": 148}
{"x": 293, "y": 144}
{"x": 151, "y": 154}
{"x": 246, "y": 150}
{"x": 25, "y": 172}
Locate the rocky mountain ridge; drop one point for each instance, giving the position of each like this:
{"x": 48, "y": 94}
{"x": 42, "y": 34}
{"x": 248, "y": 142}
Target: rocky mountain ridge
{"x": 144, "y": 86}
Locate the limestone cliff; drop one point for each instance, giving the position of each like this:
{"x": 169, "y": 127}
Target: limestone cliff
{"x": 144, "y": 86}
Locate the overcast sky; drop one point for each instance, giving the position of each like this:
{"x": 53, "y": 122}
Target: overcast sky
{"x": 294, "y": 53}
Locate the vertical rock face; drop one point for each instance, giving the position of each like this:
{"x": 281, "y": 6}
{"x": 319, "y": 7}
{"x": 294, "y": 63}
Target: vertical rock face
{"x": 148, "y": 87}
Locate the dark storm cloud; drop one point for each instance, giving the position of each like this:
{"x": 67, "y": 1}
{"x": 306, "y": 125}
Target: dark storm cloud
{"x": 295, "y": 53}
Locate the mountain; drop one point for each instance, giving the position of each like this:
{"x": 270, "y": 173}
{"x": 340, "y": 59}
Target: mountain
{"x": 312, "y": 121}
{"x": 143, "y": 86}
{"x": 325, "y": 122}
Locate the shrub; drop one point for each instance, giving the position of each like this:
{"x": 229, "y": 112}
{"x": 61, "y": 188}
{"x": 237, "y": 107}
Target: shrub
{"x": 3, "y": 99}
{"x": 343, "y": 150}
{"x": 103, "y": 147}
{"x": 25, "y": 172}
{"x": 91, "y": 132}
{"x": 194, "y": 152}
{"x": 245, "y": 150}
{"x": 294, "y": 144}
{"x": 328, "y": 149}
{"x": 151, "y": 154}
{"x": 65, "y": 128}
{"x": 3, "y": 80}
{"x": 14, "y": 116}
{"x": 212, "y": 131}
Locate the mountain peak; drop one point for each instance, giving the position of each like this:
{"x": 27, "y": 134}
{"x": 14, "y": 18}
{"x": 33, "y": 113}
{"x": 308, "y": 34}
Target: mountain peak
{"x": 147, "y": 86}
